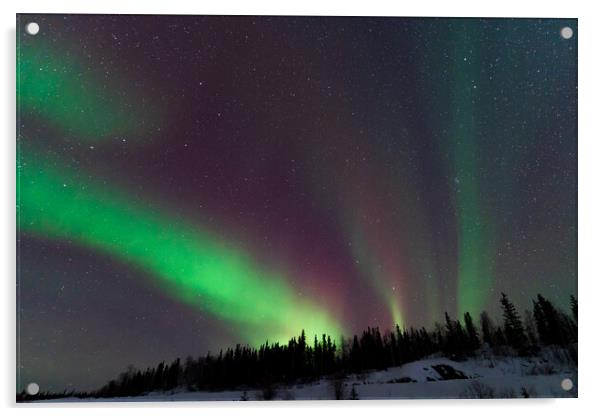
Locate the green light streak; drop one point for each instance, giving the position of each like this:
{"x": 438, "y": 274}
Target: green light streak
{"x": 63, "y": 91}
{"x": 194, "y": 266}
{"x": 395, "y": 311}
{"x": 191, "y": 264}
{"x": 474, "y": 238}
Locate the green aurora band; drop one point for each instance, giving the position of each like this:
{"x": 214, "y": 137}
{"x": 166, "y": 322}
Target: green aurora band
{"x": 190, "y": 263}
{"x": 59, "y": 90}
{"x": 196, "y": 267}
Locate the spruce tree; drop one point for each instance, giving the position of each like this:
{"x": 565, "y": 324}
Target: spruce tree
{"x": 540, "y": 323}
{"x": 513, "y": 327}
{"x": 530, "y": 328}
{"x": 356, "y": 352}
{"x": 487, "y": 329}
{"x": 471, "y": 332}
{"x": 552, "y": 328}
{"x": 574, "y": 307}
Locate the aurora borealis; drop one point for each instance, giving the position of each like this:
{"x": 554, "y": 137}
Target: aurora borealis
{"x": 186, "y": 183}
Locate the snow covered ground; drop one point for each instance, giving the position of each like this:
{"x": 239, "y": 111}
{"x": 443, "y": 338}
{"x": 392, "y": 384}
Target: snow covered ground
{"x": 432, "y": 378}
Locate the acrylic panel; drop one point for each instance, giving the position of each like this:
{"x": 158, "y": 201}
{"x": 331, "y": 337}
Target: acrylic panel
{"x": 289, "y": 207}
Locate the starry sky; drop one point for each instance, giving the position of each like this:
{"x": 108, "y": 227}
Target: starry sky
{"x": 186, "y": 183}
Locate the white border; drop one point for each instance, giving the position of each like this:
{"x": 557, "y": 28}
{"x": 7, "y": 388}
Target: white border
{"x": 590, "y": 207}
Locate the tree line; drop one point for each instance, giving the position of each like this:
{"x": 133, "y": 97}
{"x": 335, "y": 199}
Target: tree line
{"x": 302, "y": 360}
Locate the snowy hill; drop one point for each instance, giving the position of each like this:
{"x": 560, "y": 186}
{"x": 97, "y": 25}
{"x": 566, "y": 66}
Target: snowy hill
{"x": 437, "y": 377}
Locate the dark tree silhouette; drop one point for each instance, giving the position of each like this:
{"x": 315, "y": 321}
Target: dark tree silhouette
{"x": 487, "y": 329}
{"x": 471, "y": 332}
{"x": 553, "y": 326}
{"x": 262, "y": 368}
{"x": 574, "y": 307}
{"x": 513, "y": 327}
{"x": 530, "y": 329}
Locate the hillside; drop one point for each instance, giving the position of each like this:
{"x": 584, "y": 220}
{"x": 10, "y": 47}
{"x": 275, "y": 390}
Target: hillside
{"x": 485, "y": 376}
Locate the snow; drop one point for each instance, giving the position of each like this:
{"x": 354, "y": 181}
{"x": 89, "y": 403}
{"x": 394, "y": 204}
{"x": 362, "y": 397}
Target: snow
{"x": 486, "y": 377}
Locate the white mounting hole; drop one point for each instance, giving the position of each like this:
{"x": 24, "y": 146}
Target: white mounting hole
{"x": 566, "y": 32}
{"x": 32, "y": 28}
{"x": 32, "y": 389}
{"x": 566, "y": 384}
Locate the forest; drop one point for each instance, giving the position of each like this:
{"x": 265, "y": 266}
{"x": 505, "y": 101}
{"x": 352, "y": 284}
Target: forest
{"x": 303, "y": 360}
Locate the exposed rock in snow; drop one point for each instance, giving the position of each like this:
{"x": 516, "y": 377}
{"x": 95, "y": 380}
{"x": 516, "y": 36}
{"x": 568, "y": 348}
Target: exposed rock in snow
{"x": 483, "y": 377}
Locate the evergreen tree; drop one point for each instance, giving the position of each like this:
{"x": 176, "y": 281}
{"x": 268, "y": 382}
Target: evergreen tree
{"x": 499, "y": 338}
{"x": 450, "y": 341}
{"x": 354, "y": 395}
{"x": 530, "y": 329}
{"x": 271, "y": 364}
{"x": 487, "y": 329}
{"x": 513, "y": 327}
{"x": 438, "y": 334}
{"x": 471, "y": 332}
{"x": 190, "y": 373}
{"x": 300, "y": 354}
{"x": 551, "y": 328}
{"x": 456, "y": 341}
{"x": 574, "y": 307}
{"x": 356, "y": 359}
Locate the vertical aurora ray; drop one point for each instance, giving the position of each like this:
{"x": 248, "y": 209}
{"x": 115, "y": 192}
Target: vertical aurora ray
{"x": 380, "y": 269}
{"x": 382, "y": 224}
{"x": 375, "y": 238}
{"x": 196, "y": 267}
{"x": 473, "y": 225}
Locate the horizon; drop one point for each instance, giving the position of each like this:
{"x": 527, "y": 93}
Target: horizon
{"x": 346, "y": 339}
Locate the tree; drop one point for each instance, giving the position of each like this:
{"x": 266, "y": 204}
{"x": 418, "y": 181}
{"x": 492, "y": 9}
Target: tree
{"x": 271, "y": 364}
{"x": 456, "y": 341}
{"x": 356, "y": 352}
{"x": 190, "y": 372}
{"x": 354, "y": 395}
{"x": 530, "y": 328}
{"x": 513, "y": 327}
{"x": 471, "y": 332}
{"x": 451, "y": 342}
{"x": 574, "y": 307}
{"x": 551, "y": 328}
{"x": 487, "y": 329}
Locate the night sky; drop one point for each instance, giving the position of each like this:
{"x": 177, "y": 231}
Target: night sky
{"x": 186, "y": 183}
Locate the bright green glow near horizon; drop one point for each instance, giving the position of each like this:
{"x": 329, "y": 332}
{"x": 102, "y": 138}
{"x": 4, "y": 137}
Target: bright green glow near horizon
{"x": 59, "y": 89}
{"x": 191, "y": 264}
{"x": 474, "y": 239}
{"x": 395, "y": 311}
